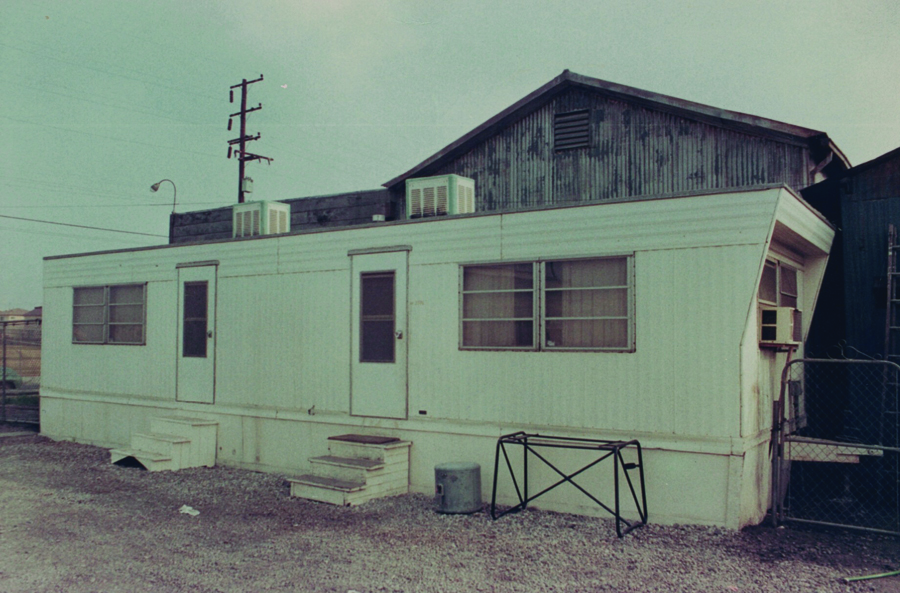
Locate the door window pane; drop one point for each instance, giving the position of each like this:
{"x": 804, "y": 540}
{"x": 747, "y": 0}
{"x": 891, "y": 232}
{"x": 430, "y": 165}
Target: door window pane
{"x": 194, "y": 337}
{"x": 376, "y": 325}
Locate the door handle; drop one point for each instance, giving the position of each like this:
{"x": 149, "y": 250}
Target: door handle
{"x": 398, "y": 334}
{"x": 209, "y": 334}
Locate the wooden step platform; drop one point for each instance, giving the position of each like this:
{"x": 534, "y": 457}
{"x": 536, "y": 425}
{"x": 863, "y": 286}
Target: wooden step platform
{"x": 173, "y": 443}
{"x": 358, "y": 468}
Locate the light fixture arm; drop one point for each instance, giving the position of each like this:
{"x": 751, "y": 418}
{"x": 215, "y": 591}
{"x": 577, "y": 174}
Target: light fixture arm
{"x": 155, "y": 187}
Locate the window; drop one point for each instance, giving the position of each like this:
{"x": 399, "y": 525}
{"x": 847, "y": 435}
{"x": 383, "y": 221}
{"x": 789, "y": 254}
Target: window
{"x": 498, "y": 306}
{"x": 580, "y": 304}
{"x": 109, "y": 314}
{"x": 779, "y": 285}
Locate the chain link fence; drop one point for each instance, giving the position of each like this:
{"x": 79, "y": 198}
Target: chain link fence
{"x": 20, "y": 371}
{"x": 837, "y": 444}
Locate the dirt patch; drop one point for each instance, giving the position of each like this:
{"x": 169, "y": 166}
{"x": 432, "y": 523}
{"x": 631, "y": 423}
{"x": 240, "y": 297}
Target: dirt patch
{"x": 70, "y": 521}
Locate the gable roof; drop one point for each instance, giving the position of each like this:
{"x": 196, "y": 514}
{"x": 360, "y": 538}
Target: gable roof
{"x": 886, "y": 157}
{"x": 820, "y": 145}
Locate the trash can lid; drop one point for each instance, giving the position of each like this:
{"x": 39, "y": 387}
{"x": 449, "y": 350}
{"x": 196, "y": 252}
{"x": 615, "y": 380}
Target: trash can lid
{"x": 457, "y": 466}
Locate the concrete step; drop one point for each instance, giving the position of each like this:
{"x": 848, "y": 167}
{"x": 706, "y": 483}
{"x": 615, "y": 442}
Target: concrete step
{"x": 154, "y": 462}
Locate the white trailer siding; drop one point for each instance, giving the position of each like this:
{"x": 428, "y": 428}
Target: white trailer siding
{"x": 689, "y": 390}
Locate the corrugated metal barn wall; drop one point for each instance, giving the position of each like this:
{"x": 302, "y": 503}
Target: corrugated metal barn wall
{"x": 634, "y": 151}
{"x": 870, "y": 201}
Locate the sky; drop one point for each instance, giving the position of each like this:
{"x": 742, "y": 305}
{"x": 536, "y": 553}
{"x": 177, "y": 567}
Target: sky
{"x": 104, "y": 98}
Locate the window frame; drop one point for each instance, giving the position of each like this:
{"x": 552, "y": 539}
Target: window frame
{"x": 367, "y": 318}
{"x": 539, "y": 298}
{"x": 106, "y": 305}
{"x": 535, "y": 267}
{"x": 780, "y": 291}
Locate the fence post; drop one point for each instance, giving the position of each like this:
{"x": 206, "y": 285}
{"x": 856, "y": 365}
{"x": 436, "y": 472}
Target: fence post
{"x": 3, "y": 378}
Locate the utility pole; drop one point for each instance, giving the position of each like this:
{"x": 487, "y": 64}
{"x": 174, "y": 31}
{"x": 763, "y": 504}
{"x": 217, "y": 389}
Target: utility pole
{"x": 242, "y": 155}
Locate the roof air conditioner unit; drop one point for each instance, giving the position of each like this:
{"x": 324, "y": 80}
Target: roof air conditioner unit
{"x": 438, "y": 196}
{"x": 251, "y": 219}
{"x": 779, "y": 326}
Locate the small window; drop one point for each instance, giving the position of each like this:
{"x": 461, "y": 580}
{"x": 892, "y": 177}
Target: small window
{"x": 571, "y": 130}
{"x": 109, "y": 314}
{"x": 570, "y": 304}
{"x": 787, "y": 288}
{"x": 779, "y": 285}
{"x": 768, "y": 286}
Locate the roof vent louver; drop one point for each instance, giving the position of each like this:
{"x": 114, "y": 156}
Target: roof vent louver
{"x": 439, "y": 196}
{"x": 252, "y": 219}
{"x": 571, "y": 130}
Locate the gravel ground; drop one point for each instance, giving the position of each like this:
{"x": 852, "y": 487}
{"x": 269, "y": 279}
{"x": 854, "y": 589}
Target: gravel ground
{"x": 70, "y": 521}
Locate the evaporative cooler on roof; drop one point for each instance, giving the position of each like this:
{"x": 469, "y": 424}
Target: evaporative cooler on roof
{"x": 261, "y": 218}
{"x": 439, "y": 196}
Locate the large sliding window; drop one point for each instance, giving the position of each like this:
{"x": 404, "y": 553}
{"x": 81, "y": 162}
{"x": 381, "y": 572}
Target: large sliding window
{"x": 581, "y": 304}
{"x": 109, "y": 314}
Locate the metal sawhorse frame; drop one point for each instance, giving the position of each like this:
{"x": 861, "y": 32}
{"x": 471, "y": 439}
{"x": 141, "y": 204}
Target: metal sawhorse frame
{"x": 605, "y": 449}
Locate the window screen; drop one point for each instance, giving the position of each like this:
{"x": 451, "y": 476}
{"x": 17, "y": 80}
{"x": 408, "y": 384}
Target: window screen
{"x": 109, "y": 314}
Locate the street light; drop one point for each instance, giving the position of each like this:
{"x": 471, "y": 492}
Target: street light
{"x": 155, "y": 187}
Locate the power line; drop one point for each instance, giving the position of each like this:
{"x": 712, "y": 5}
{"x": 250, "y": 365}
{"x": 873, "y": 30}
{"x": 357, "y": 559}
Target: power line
{"x": 31, "y": 123}
{"x": 82, "y": 65}
{"x": 45, "y": 234}
{"x": 120, "y": 206}
{"x": 112, "y": 105}
{"x": 81, "y": 226}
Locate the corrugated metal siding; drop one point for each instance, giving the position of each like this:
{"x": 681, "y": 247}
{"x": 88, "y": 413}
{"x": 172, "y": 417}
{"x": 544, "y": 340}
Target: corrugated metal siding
{"x": 869, "y": 201}
{"x": 865, "y": 226}
{"x": 634, "y": 152}
{"x": 851, "y": 309}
